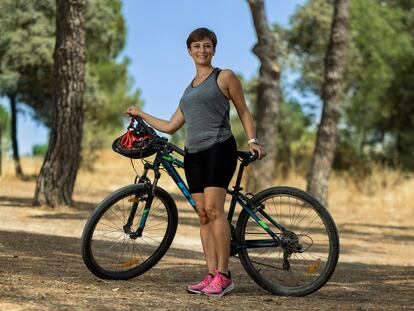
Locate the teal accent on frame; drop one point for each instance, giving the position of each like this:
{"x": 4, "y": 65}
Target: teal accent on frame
{"x": 186, "y": 193}
{"x": 144, "y": 217}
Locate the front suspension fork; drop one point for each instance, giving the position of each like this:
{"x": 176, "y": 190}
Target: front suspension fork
{"x": 147, "y": 196}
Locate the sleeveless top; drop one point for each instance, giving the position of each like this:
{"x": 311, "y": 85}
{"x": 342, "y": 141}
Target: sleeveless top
{"x": 206, "y": 113}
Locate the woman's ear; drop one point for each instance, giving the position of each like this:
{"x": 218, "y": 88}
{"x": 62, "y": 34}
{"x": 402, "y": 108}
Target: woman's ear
{"x": 189, "y": 51}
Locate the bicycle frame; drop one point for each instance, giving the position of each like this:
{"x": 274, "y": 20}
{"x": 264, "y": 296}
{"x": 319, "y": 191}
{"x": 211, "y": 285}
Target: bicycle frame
{"x": 168, "y": 162}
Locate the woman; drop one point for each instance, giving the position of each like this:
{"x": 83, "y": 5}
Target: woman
{"x": 211, "y": 152}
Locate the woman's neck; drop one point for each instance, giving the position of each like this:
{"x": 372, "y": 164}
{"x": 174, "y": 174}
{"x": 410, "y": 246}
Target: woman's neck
{"x": 202, "y": 70}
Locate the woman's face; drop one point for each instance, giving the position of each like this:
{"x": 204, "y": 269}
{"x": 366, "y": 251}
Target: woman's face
{"x": 202, "y": 51}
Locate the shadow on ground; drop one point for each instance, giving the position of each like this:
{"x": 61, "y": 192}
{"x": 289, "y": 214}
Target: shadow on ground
{"x": 46, "y": 272}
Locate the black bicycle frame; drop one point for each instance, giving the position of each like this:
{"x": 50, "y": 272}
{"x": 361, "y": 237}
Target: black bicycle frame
{"x": 168, "y": 162}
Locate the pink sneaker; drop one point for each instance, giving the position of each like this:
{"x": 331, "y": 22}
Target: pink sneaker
{"x": 220, "y": 286}
{"x": 198, "y": 287}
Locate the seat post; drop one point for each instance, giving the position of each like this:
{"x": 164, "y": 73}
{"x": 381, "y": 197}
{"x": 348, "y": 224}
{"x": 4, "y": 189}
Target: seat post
{"x": 236, "y": 190}
{"x": 239, "y": 177}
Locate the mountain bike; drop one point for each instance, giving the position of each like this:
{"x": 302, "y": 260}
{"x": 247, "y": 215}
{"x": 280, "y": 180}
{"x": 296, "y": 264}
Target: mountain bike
{"x": 285, "y": 239}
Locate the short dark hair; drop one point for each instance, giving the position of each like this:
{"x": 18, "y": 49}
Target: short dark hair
{"x": 199, "y": 34}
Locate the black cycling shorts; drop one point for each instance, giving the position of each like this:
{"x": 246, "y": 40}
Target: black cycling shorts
{"x": 213, "y": 167}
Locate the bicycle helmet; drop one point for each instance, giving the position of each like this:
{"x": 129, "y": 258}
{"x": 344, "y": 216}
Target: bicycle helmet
{"x": 136, "y": 142}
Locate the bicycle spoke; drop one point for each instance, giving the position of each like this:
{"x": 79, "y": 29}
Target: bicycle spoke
{"x": 117, "y": 250}
{"x": 306, "y": 253}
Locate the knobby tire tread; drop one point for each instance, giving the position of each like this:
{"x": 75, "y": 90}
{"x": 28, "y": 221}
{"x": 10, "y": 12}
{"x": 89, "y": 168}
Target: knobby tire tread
{"x": 100, "y": 210}
{"x": 333, "y": 239}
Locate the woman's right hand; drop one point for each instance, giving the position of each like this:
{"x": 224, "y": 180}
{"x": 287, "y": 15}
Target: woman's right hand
{"x": 133, "y": 111}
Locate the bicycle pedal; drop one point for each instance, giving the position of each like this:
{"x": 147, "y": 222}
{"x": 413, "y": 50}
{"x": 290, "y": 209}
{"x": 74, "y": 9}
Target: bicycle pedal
{"x": 134, "y": 200}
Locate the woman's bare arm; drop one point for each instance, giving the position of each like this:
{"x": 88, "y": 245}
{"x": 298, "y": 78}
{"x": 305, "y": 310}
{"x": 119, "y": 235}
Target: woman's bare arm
{"x": 170, "y": 127}
{"x": 235, "y": 91}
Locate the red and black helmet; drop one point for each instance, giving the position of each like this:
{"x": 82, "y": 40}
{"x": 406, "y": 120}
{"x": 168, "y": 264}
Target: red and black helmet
{"x": 136, "y": 142}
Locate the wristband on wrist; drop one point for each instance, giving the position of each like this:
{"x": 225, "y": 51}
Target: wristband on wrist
{"x": 253, "y": 140}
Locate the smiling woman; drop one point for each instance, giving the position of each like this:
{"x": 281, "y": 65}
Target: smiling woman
{"x": 211, "y": 152}
{"x": 201, "y": 45}
{"x": 148, "y": 20}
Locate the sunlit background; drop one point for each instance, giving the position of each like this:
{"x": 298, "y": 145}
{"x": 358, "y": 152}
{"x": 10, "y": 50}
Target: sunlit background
{"x": 155, "y": 44}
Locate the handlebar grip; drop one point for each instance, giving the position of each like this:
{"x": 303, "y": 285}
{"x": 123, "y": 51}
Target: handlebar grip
{"x": 254, "y": 157}
{"x": 176, "y": 149}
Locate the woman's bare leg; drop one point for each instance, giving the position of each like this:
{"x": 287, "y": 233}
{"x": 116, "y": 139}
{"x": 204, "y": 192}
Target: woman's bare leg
{"x": 207, "y": 239}
{"x": 214, "y": 199}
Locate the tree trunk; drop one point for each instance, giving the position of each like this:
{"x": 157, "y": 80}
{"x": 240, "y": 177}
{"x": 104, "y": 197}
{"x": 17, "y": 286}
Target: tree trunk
{"x": 262, "y": 173}
{"x": 1, "y": 149}
{"x": 323, "y": 155}
{"x": 16, "y": 156}
{"x": 57, "y": 177}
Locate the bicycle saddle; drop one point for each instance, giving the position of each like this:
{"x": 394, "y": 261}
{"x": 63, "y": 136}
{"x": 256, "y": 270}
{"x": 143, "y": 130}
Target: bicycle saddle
{"x": 246, "y": 156}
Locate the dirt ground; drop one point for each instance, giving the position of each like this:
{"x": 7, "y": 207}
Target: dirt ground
{"x": 41, "y": 267}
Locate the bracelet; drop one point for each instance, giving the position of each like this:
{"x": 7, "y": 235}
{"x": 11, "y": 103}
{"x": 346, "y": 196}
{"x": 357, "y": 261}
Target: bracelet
{"x": 253, "y": 140}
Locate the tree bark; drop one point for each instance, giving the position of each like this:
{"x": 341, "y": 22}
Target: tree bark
{"x": 15, "y": 146}
{"x": 335, "y": 58}
{"x": 262, "y": 173}
{"x": 1, "y": 149}
{"x": 57, "y": 177}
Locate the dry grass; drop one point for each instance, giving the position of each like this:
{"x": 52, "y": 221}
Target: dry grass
{"x": 374, "y": 218}
{"x": 378, "y": 205}
{"x": 386, "y": 193}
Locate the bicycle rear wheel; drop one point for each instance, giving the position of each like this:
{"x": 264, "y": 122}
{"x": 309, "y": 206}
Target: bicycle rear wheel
{"x": 310, "y": 256}
{"x": 110, "y": 251}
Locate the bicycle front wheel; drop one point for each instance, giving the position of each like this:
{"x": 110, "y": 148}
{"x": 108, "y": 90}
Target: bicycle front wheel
{"x": 112, "y": 250}
{"x": 308, "y": 257}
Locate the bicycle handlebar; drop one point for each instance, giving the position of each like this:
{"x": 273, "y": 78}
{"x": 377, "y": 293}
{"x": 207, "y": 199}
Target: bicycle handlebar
{"x": 163, "y": 140}
{"x": 175, "y": 148}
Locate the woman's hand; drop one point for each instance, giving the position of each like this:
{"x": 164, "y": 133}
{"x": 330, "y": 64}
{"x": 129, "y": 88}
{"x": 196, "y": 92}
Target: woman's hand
{"x": 133, "y": 111}
{"x": 259, "y": 149}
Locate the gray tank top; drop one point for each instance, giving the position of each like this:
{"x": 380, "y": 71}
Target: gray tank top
{"x": 206, "y": 113}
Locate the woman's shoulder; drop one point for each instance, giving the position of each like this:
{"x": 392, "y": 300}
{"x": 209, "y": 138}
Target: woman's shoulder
{"x": 227, "y": 74}
{"x": 226, "y": 71}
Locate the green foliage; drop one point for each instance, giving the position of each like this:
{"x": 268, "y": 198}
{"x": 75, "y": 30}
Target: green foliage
{"x": 378, "y": 94}
{"x": 4, "y": 119}
{"x": 108, "y": 93}
{"x": 25, "y": 44}
{"x": 105, "y": 30}
{"x": 400, "y": 102}
{"x": 308, "y": 40}
{"x": 294, "y": 141}
{"x": 39, "y": 150}
{"x": 26, "y": 63}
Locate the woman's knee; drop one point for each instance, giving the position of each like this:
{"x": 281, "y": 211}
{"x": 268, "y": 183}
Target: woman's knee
{"x": 203, "y": 216}
{"x": 214, "y": 211}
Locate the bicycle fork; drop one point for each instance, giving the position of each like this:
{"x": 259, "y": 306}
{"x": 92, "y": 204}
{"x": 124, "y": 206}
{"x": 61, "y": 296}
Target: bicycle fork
{"x": 148, "y": 197}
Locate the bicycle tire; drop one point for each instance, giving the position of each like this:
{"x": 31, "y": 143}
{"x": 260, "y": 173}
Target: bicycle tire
{"x": 93, "y": 244}
{"x": 280, "y": 280}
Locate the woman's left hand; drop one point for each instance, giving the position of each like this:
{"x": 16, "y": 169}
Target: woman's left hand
{"x": 259, "y": 149}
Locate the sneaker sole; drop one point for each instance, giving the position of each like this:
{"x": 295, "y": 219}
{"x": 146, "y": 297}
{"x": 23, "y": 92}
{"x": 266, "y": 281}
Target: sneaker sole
{"x": 227, "y": 290}
{"x": 193, "y": 291}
